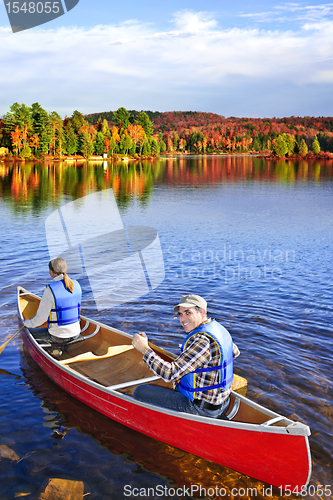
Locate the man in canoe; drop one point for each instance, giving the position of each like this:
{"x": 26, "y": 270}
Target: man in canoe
{"x": 60, "y": 307}
{"x": 203, "y": 371}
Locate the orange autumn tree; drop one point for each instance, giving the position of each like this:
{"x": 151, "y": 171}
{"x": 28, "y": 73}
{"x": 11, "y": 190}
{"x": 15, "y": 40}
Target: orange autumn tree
{"x": 106, "y": 144}
{"x": 136, "y": 133}
{"x": 115, "y": 134}
{"x": 17, "y": 137}
{"x": 34, "y": 142}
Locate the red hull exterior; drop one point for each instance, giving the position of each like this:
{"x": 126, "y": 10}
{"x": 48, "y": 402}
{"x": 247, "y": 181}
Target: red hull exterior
{"x": 282, "y": 460}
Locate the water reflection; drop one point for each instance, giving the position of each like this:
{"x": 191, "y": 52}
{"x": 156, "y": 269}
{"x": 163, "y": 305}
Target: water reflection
{"x": 37, "y": 185}
{"x": 268, "y": 214}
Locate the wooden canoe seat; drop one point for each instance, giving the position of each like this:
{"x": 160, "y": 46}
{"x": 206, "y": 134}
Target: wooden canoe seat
{"x": 232, "y": 410}
{"x": 86, "y": 327}
{"x": 59, "y": 345}
{"x": 63, "y": 346}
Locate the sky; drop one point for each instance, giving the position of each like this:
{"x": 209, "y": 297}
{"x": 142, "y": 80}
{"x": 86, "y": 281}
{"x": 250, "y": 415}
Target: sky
{"x": 240, "y": 58}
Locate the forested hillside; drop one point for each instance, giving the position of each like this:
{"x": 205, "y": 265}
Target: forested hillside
{"x": 198, "y": 132}
{"x": 32, "y": 132}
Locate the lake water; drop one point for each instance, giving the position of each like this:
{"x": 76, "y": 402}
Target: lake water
{"x": 254, "y": 237}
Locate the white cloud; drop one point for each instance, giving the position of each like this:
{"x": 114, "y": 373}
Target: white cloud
{"x": 130, "y": 64}
{"x": 194, "y": 22}
{"x": 291, "y": 12}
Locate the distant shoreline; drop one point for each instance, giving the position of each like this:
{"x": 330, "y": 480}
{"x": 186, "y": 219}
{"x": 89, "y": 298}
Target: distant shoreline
{"x": 122, "y": 158}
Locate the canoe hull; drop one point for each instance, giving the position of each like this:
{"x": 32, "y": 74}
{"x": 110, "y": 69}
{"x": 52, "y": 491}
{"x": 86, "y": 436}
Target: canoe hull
{"x": 275, "y": 456}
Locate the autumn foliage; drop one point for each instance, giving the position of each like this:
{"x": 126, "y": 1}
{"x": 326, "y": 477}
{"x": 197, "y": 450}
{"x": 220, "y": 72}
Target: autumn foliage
{"x": 28, "y": 131}
{"x": 196, "y": 132}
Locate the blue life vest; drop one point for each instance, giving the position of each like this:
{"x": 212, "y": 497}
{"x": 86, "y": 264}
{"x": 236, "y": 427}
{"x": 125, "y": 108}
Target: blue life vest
{"x": 67, "y": 304}
{"x": 223, "y": 339}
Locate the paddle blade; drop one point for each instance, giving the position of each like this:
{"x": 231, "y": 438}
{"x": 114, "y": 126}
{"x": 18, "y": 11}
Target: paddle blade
{"x": 9, "y": 340}
{"x": 239, "y": 384}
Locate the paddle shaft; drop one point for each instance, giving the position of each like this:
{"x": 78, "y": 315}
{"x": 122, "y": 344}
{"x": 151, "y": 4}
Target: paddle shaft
{"x": 90, "y": 356}
{"x": 11, "y": 338}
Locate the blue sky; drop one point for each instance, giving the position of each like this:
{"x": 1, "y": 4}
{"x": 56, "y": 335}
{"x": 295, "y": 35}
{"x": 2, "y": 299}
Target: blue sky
{"x": 259, "y": 59}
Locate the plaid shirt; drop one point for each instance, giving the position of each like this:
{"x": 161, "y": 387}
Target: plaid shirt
{"x": 201, "y": 352}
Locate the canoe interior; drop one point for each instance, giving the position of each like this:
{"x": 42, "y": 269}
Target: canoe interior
{"x": 127, "y": 366}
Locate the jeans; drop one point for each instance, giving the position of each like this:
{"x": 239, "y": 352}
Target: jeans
{"x": 44, "y": 335}
{"x": 175, "y": 400}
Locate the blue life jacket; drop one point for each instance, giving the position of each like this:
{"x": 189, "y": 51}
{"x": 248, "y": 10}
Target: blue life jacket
{"x": 223, "y": 339}
{"x": 67, "y": 304}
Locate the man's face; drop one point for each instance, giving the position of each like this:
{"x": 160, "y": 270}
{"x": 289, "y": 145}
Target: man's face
{"x": 190, "y": 318}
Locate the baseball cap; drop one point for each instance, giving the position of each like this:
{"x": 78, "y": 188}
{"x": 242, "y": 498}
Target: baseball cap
{"x": 191, "y": 301}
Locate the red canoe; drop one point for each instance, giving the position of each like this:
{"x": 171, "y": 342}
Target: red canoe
{"x": 103, "y": 370}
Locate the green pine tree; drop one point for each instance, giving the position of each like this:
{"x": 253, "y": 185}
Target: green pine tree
{"x": 146, "y": 151}
{"x": 41, "y": 127}
{"x": 113, "y": 145}
{"x": 162, "y": 146}
{"x": 280, "y": 147}
{"x": 315, "y": 146}
{"x": 99, "y": 144}
{"x": 105, "y": 127}
{"x": 290, "y": 141}
{"x": 77, "y": 121}
{"x": 122, "y": 118}
{"x": 303, "y": 148}
{"x": 155, "y": 150}
{"x": 18, "y": 116}
{"x": 127, "y": 144}
{"x": 87, "y": 146}
{"x": 56, "y": 131}
{"x": 70, "y": 139}
{"x": 147, "y": 125}
{"x": 256, "y": 146}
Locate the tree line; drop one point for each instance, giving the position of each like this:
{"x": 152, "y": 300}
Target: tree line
{"x": 34, "y": 132}
{"x": 199, "y": 132}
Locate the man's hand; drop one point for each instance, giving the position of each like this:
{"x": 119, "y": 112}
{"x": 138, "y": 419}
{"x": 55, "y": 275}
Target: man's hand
{"x": 140, "y": 342}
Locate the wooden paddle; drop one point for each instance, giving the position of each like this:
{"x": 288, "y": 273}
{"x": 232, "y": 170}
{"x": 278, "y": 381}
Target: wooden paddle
{"x": 11, "y": 338}
{"x": 89, "y": 356}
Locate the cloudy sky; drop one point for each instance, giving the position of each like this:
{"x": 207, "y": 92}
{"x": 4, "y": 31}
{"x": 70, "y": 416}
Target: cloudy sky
{"x": 238, "y": 58}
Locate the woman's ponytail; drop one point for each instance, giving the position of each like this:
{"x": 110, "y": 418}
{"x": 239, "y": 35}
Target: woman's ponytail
{"x": 68, "y": 283}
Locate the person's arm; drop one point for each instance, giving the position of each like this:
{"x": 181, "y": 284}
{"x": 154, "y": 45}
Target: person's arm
{"x": 45, "y": 306}
{"x": 194, "y": 356}
{"x": 140, "y": 342}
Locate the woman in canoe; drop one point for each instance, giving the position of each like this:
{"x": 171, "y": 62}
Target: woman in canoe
{"x": 203, "y": 371}
{"x": 60, "y": 307}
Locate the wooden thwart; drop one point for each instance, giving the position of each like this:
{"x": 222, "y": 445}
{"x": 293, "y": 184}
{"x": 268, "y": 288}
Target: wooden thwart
{"x": 89, "y": 356}
{"x": 133, "y": 382}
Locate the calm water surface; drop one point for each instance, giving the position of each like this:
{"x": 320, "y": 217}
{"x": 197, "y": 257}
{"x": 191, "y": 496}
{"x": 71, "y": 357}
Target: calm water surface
{"x": 254, "y": 237}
